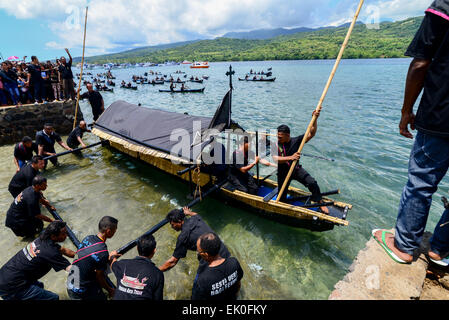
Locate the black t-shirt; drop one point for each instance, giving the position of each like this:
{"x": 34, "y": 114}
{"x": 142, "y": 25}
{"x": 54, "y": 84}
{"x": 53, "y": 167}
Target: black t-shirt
{"x": 23, "y": 178}
{"x": 240, "y": 160}
{"x": 66, "y": 70}
{"x": 138, "y": 279}
{"x": 35, "y": 72}
{"x": 12, "y": 75}
{"x": 431, "y": 42}
{"x": 24, "y": 208}
{"x": 191, "y": 230}
{"x": 95, "y": 100}
{"x": 93, "y": 255}
{"x": 288, "y": 149}
{"x": 30, "y": 264}
{"x": 47, "y": 141}
{"x": 218, "y": 283}
{"x": 72, "y": 140}
{"x": 441, "y": 7}
{"x": 23, "y": 153}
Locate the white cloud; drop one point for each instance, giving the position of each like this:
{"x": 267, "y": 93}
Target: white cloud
{"x": 116, "y": 24}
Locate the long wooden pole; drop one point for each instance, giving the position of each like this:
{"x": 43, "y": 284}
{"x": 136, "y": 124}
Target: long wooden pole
{"x": 320, "y": 103}
{"x": 81, "y": 74}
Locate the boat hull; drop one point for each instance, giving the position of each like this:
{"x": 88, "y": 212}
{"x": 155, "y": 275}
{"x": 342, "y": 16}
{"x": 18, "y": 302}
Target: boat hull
{"x": 286, "y": 213}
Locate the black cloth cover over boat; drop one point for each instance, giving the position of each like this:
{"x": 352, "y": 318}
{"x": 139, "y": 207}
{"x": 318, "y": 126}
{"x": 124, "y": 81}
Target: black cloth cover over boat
{"x": 151, "y": 127}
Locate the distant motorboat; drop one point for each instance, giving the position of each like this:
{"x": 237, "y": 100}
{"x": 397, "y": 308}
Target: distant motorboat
{"x": 200, "y": 65}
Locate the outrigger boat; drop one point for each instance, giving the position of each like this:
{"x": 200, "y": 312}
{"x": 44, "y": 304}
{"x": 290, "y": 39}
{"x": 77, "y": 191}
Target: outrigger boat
{"x": 144, "y": 134}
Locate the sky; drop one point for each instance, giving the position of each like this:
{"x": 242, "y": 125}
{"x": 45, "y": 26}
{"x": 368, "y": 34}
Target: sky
{"x": 45, "y": 27}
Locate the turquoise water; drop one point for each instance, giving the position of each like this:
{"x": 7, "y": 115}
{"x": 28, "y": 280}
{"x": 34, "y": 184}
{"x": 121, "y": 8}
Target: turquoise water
{"x": 358, "y": 127}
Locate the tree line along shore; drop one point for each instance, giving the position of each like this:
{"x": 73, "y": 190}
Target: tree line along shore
{"x": 390, "y": 40}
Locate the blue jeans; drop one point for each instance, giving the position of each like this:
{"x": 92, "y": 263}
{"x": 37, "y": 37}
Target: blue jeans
{"x": 39, "y": 91}
{"x": 34, "y": 292}
{"x": 3, "y": 97}
{"x": 428, "y": 164}
{"x": 13, "y": 90}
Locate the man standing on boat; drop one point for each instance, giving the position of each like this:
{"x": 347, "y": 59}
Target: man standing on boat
{"x": 429, "y": 159}
{"x": 240, "y": 176}
{"x": 191, "y": 229}
{"x": 287, "y": 153}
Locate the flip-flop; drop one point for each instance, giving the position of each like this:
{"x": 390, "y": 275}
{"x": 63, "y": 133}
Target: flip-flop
{"x": 443, "y": 262}
{"x": 383, "y": 244}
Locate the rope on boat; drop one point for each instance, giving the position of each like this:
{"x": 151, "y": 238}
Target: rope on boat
{"x": 197, "y": 171}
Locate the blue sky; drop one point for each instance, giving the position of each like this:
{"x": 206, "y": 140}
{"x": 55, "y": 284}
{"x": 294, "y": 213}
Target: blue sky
{"x": 45, "y": 28}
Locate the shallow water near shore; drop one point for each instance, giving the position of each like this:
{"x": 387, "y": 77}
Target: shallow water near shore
{"x": 358, "y": 127}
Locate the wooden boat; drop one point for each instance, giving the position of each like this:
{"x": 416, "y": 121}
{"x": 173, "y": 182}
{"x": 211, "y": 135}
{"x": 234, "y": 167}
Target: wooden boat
{"x": 142, "y": 134}
{"x": 126, "y": 87}
{"x": 263, "y": 80}
{"x": 197, "y": 65}
{"x": 175, "y": 81}
{"x": 183, "y": 91}
{"x": 197, "y": 81}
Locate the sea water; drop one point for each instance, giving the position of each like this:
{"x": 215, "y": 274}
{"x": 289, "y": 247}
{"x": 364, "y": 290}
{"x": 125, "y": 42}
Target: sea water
{"x": 358, "y": 127}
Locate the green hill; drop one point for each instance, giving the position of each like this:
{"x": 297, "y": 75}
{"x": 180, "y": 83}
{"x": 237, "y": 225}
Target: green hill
{"x": 389, "y": 41}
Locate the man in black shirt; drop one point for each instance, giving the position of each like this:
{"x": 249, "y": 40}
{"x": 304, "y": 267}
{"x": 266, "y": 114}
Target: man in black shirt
{"x": 139, "y": 278}
{"x": 87, "y": 276}
{"x": 24, "y": 178}
{"x": 75, "y": 137}
{"x": 287, "y": 153}
{"x": 19, "y": 276}
{"x": 24, "y": 216}
{"x": 191, "y": 229}
{"x": 23, "y": 151}
{"x": 35, "y": 76}
{"x": 95, "y": 99}
{"x": 429, "y": 158}
{"x": 65, "y": 69}
{"x": 240, "y": 176}
{"x": 220, "y": 279}
{"x": 46, "y": 139}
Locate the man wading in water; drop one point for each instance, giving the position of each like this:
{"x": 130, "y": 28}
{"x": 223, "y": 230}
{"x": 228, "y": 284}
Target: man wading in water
{"x": 191, "y": 229}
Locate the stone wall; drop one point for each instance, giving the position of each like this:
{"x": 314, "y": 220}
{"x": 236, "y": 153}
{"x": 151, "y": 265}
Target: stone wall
{"x": 26, "y": 120}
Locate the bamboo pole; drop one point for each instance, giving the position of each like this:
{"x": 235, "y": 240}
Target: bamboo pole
{"x": 81, "y": 73}
{"x": 320, "y": 103}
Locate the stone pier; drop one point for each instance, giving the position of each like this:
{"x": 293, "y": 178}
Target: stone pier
{"x": 26, "y": 120}
{"x": 375, "y": 276}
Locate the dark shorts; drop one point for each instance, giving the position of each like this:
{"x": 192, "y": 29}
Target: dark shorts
{"x": 301, "y": 175}
{"x": 91, "y": 294}
{"x": 29, "y": 229}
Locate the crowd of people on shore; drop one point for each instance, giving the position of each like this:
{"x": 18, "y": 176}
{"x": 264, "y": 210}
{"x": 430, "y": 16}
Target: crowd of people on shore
{"x": 218, "y": 274}
{"x": 24, "y": 82}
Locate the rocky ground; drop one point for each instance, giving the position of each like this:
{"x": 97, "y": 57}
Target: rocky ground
{"x": 436, "y": 284}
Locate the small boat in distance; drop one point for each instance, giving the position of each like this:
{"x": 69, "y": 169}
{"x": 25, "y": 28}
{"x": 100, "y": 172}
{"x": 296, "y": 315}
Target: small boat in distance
{"x": 184, "y": 91}
{"x": 200, "y": 65}
{"x": 186, "y": 62}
